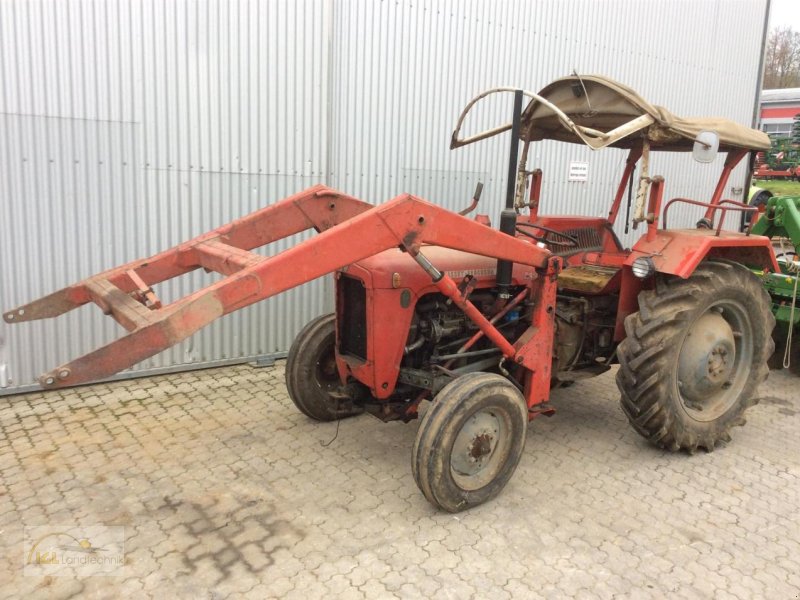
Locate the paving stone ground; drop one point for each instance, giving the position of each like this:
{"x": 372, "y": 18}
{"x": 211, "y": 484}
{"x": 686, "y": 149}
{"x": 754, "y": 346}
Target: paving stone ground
{"x": 225, "y": 490}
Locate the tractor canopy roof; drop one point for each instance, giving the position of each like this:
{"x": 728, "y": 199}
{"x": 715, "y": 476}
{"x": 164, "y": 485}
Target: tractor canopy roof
{"x": 598, "y": 105}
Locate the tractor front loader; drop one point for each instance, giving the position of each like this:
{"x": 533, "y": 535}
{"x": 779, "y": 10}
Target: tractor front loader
{"x": 434, "y": 305}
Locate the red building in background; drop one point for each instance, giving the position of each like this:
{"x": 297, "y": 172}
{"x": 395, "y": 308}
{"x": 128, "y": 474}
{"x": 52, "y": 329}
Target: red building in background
{"x": 778, "y": 109}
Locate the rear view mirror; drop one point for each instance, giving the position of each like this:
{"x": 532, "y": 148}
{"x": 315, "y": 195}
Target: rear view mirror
{"x": 705, "y": 147}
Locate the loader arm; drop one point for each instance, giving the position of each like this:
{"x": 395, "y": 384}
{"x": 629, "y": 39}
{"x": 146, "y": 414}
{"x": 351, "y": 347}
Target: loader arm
{"x": 317, "y": 207}
{"x": 350, "y": 230}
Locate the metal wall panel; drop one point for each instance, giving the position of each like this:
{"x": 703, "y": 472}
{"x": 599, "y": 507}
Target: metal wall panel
{"x": 400, "y": 84}
{"x": 127, "y": 126}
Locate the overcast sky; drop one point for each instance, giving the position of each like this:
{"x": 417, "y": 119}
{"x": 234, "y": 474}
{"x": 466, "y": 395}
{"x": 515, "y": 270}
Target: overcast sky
{"x": 785, "y": 13}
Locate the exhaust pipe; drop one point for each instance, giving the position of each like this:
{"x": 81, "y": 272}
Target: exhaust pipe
{"x": 508, "y": 218}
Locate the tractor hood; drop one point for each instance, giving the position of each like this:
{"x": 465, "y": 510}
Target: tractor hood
{"x": 395, "y": 268}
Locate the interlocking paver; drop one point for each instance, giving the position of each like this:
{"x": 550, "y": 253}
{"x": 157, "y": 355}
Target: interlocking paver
{"x": 225, "y": 490}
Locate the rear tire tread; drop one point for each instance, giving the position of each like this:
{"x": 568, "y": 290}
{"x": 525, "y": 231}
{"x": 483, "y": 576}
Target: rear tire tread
{"x": 646, "y": 356}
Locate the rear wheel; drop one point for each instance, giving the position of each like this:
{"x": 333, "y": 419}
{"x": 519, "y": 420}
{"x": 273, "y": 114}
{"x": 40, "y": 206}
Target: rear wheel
{"x": 470, "y": 441}
{"x": 694, "y": 356}
{"x": 311, "y": 374}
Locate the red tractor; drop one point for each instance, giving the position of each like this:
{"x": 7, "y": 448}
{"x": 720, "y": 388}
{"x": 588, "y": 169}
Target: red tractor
{"x": 433, "y": 305}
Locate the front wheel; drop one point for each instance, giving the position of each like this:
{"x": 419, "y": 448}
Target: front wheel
{"x": 694, "y": 355}
{"x": 311, "y": 374}
{"x": 470, "y": 441}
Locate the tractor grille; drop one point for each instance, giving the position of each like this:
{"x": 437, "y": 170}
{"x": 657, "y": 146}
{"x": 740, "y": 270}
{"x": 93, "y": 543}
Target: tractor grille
{"x": 589, "y": 240}
{"x": 353, "y": 326}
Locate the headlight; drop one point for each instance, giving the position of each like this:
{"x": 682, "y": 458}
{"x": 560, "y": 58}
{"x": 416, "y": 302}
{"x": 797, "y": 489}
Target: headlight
{"x": 643, "y": 267}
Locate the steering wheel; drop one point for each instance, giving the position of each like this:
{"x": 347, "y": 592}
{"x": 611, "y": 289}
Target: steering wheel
{"x": 568, "y": 241}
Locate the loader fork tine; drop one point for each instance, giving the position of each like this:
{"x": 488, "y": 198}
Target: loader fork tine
{"x": 135, "y": 347}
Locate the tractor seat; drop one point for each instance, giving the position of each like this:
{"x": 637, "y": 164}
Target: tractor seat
{"x": 590, "y": 279}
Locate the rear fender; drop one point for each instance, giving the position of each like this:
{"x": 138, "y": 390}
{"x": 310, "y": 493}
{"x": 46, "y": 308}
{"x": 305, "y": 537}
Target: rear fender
{"x": 679, "y": 251}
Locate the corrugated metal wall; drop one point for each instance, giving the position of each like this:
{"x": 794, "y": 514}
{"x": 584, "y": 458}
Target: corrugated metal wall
{"x": 128, "y": 126}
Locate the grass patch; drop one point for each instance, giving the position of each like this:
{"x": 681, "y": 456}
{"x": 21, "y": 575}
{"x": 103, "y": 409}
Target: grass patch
{"x": 779, "y": 187}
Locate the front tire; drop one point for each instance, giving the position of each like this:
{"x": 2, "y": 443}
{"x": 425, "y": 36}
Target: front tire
{"x": 694, "y": 355}
{"x": 470, "y": 441}
{"x": 311, "y": 374}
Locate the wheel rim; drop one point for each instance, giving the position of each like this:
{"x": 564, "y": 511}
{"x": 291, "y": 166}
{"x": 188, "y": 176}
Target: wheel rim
{"x": 481, "y": 448}
{"x": 715, "y": 360}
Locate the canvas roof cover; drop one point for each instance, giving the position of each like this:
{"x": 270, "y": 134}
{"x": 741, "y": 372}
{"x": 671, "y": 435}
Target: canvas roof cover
{"x": 604, "y": 104}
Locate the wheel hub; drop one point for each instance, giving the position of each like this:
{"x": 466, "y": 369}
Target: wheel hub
{"x": 326, "y": 373}
{"x": 481, "y": 446}
{"x": 707, "y": 359}
{"x": 475, "y": 443}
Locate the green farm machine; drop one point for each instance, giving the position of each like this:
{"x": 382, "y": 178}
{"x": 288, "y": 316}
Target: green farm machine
{"x": 781, "y": 222}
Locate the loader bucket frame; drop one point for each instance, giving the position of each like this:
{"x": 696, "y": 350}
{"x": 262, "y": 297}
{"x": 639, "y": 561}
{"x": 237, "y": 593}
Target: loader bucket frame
{"x": 349, "y": 230}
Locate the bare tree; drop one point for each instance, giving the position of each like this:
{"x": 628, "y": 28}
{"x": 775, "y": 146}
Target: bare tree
{"x": 782, "y": 59}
